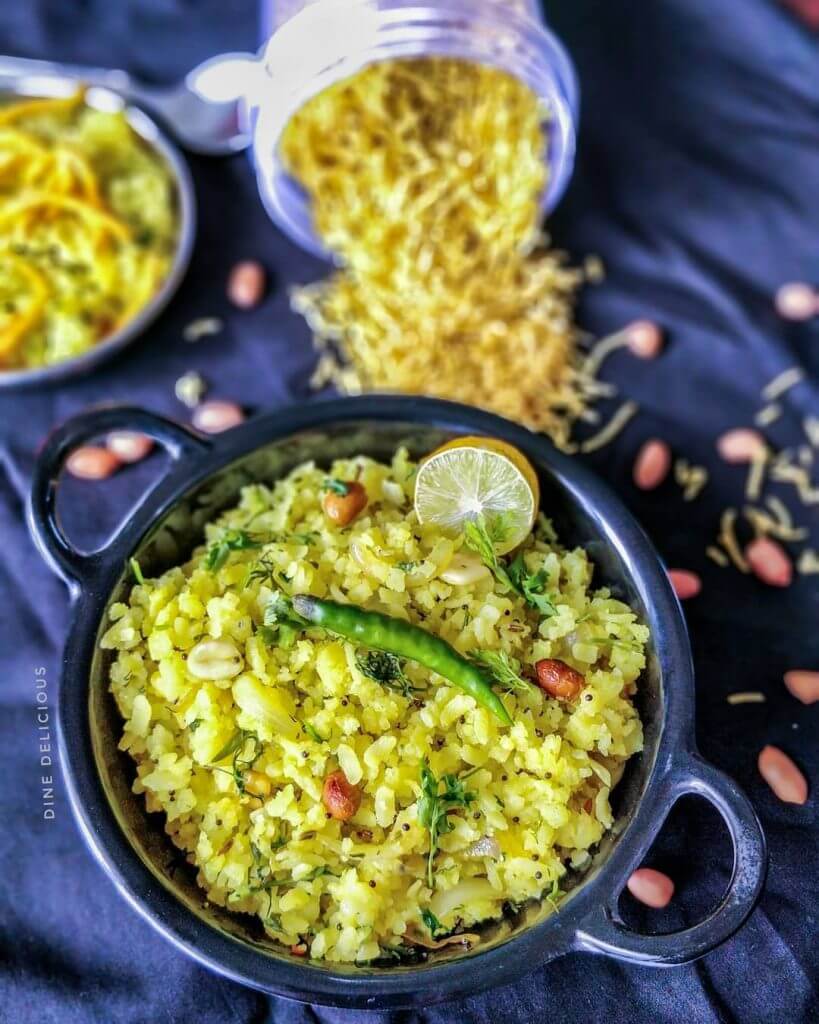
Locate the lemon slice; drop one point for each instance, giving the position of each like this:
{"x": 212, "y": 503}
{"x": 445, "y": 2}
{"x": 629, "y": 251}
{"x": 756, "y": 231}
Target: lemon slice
{"x": 479, "y": 476}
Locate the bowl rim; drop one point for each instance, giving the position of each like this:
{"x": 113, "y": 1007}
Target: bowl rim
{"x": 153, "y": 136}
{"x": 666, "y": 778}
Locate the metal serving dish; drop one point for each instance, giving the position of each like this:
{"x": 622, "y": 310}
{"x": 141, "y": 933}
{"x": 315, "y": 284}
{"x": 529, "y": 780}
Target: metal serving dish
{"x": 14, "y": 86}
{"x": 205, "y": 477}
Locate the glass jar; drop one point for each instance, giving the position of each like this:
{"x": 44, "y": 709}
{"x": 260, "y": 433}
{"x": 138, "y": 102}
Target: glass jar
{"x": 315, "y": 43}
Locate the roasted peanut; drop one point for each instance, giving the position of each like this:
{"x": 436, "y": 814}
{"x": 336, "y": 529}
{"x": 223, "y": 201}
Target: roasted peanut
{"x": 652, "y": 465}
{"x": 558, "y": 679}
{"x": 782, "y": 775}
{"x": 797, "y": 300}
{"x": 651, "y": 887}
{"x": 803, "y": 685}
{"x": 645, "y": 339}
{"x": 92, "y": 463}
{"x": 214, "y": 659}
{"x": 769, "y": 562}
{"x": 246, "y": 284}
{"x": 128, "y": 445}
{"x": 686, "y": 584}
{"x": 341, "y": 509}
{"x": 216, "y": 416}
{"x": 741, "y": 445}
{"x": 257, "y": 784}
{"x": 340, "y": 797}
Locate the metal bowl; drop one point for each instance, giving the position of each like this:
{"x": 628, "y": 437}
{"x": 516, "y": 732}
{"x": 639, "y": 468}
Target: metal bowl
{"x": 150, "y": 132}
{"x": 129, "y": 843}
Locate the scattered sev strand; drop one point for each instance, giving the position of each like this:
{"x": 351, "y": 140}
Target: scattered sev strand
{"x": 782, "y": 382}
{"x": 768, "y": 415}
{"x": 691, "y": 478}
{"x": 811, "y": 427}
{"x": 746, "y": 697}
{"x": 784, "y": 471}
{"x": 808, "y": 562}
{"x": 611, "y": 429}
{"x": 601, "y": 351}
{"x": 717, "y": 555}
{"x": 201, "y": 328}
{"x": 765, "y": 525}
{"x": 780, "y": 510}
{"x": 756, "y": 476}
{"x": 728, "y": 539}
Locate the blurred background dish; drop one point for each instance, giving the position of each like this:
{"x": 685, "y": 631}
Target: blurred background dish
{"x": 97, "y": 222}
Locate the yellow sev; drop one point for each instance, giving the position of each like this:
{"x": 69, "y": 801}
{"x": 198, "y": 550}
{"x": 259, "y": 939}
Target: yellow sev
{"x": 425, "y": 178}
{"x": 87, "y": 228}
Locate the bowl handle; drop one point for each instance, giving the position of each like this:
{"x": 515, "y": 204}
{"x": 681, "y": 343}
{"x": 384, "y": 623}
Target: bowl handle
{"x": 66, "y": 561}
{"x": 604, "y": 930}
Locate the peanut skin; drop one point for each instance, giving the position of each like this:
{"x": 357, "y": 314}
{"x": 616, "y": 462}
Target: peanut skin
{"x": 558, "y": 679}
{"x": 246, "y": 284}
{"x": 341, "y": 798}
{"x": 341, "y": 509}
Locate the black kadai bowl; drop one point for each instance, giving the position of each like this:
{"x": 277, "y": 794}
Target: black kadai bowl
{"x": 205, "y": 477}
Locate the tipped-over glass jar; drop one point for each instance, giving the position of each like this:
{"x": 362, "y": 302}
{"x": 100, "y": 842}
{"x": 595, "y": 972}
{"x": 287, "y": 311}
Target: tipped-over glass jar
{"x": 315, "y": 43}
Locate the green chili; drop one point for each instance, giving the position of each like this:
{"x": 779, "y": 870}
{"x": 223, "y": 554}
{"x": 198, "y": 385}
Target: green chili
{"x": 384, "y": 633}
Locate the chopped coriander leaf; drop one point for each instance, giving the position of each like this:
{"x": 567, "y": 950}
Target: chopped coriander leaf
{"x": 614, "y": 641}
{"x": 407, "y": 566}
{"x": 435, "y": 806}
{"x": 279, "y": 611}
{"x": 281, "y": 624}
{"x": 232, "y": 745}
{"x": 313, "y": 732}
{"x": 545, "y": 528}
{"x": 231, "y": 540}
{"x": 341, "y": 487}
{"x": 242, "y": 761}
{"x": 531, "y": 586}
{"x": 504, "y": 669}
{"x": 137, "y": 571}
{"x": 617, "y": 642}
{"x": 304, "y": 538}
{"x": 269, "y": 635}
{"x": 264, "y": 570}
{"x": 281, "y": 635}
{"x": 318, "y": 872}
{"x": 194, "y": 725}
{"x": 386, "y": 669}
{"x": 554, "y": 896}
{"x": 481, "y": 539}
{"x": 432, "y": 923}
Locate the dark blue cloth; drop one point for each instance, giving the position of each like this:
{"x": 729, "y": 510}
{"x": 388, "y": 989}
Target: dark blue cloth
{"x": 697, "y": 183}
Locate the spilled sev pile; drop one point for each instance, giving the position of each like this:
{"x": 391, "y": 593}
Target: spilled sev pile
{"x": 425, "y": 178}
